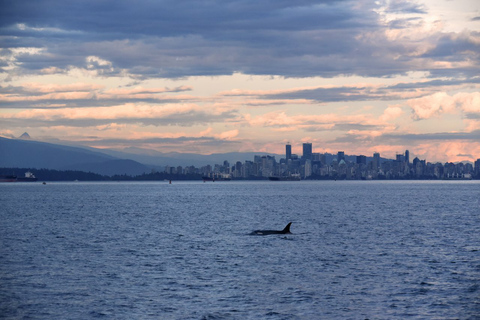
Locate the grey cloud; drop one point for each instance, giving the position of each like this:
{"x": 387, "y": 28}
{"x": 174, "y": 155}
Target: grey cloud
{"x": 35, "y": 99}
{"x": 341, "y": 127}
{"x": 442, "y": 136}
{"x": 183, "y": 38}
{"x": 434, "y": 83}
{"x": 465, "y": 155}
{"x": 401, "y": 6}
{"x": 173, "y": 39}
{"x": 354, "y": 126}
{"x": 79, "y": 103}
{"x": 472, "y": 116}
{"x": 455, "y": 48}
{"x": 410, "y": 139}
{"x": 349, "y": 138}
{"x": 386, "y": 93}
{"x": 152, "y": 140}
{"x": 324, "y": 94}
{"x": 195, "y": 144}
{"x": 187, "y": 119}
{"x": 169, "y": 18}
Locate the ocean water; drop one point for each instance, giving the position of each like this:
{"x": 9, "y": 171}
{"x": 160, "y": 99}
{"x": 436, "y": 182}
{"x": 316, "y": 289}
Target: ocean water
{"x": 358, "y": 250}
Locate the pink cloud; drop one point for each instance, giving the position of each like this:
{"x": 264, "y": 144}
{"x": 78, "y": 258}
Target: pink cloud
{"x": 431, "y": 106}
{"x": 51, "y": 96}
{"x": 127, "y": 111}
{"x": 141, "y": 90}
{"x": 53, "y": 88}
{"x": 228, "y": 135}
{"x": 391, "y": 113}
{"x": 439, "y": 103}
{"x": 448, "y": 151}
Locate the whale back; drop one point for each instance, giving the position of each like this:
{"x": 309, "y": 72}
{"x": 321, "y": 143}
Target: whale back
{"x": 267, "y": 232}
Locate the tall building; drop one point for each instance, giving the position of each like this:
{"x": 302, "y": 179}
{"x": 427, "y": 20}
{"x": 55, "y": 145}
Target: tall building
{"x": 340, "y": 156}
{"x": 361, "y": 159}
{"x": 288, "y": 151}
{"x": 308, "y": 168}
{"x": 407, "y": 156}
{"x": 307, "y": 151}
{"x": 376, "y": 159}
{"x": 323, "y": 159}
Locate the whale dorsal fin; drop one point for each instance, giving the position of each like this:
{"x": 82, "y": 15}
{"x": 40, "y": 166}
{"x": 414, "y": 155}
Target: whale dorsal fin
{"x": 287, "y": 228}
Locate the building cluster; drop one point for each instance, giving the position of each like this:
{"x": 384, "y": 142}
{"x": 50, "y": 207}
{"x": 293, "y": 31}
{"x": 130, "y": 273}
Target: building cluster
{"x": 327, "y": 166}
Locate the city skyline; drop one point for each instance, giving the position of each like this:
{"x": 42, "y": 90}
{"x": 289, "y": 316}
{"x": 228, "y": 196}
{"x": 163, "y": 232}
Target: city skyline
{"x": 313, "y": 165}
{"x": 242, "y": 76}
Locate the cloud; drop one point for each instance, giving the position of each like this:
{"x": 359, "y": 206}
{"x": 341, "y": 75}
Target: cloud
{"x": 141, "y": 90}
{"x": 200, "y": 143}
{"x": 403, "y": 7}
{"x": 391, "y": 113}
{"x": 7, "y": 134}
{"x": 444, "y": 146}
{"x": 171, "y": 39}
{"x": 430, "y": 106}
{"x": 453, "y": 151}
{"x": 364, "y": 123}
{"x": 355, "y": 92}
{"x": 36, "y": 95}
{"x": 169, "y": 115}
{"x": 34, "y": 87}
{"x": 468, "y": 102}
{"x": 229, "y": 135}
{"x": 441, "y": 102}
{"x": 441, "y": 136}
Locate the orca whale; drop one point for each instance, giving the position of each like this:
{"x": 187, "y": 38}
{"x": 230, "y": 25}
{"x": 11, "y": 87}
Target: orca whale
{"x": 286, "y": 230}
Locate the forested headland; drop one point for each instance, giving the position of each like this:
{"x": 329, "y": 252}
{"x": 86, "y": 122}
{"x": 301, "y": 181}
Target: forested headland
{"x": 73, "y": 175}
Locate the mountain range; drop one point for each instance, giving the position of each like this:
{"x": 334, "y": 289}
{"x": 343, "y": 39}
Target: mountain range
{"x": 27, "y": 153}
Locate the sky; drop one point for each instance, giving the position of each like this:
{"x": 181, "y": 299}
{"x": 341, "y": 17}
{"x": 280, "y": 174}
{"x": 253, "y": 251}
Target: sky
{"x": 217, "y": 76}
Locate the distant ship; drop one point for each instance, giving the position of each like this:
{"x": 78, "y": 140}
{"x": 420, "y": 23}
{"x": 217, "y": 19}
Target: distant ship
{"x": 293, "y": 177}
{"x": 29, "y": 177}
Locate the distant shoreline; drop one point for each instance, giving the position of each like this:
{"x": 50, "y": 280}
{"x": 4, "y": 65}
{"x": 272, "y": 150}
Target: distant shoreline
{"x": 76, "y": 175}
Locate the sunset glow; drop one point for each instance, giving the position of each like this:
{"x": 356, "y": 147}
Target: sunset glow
{"x": 216, "y": 76}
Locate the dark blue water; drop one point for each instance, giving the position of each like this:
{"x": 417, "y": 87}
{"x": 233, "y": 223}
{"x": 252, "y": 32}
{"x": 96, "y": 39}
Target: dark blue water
{"x": 359, "y": 249}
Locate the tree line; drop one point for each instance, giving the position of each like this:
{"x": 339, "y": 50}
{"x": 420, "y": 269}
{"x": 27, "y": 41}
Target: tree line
{"x": 73, "y": 175}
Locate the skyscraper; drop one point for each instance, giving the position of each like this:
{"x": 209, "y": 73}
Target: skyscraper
{"x": 407, "y": 156}
{"x": 307, "y": 151}
{"x": 340, "y": 156}
{"x": 308, "y": 168}
{"x": 288, "y": 151}
{"x": 376, "y": 159}
{"x": 361, "y": 159}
